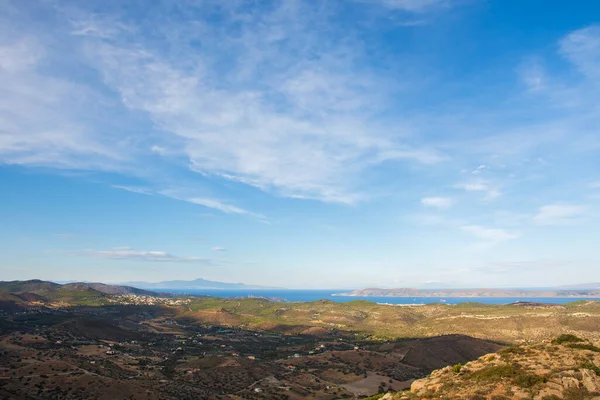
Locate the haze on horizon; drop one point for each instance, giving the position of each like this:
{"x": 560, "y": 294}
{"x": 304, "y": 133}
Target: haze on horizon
{"x": 301, "y": 144}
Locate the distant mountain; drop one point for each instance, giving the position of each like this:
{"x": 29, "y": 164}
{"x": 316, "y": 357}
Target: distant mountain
{"x": 44, "y": 288}
{"x": 196, "y": 284}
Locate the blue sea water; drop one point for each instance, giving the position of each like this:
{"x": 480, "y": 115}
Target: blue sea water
{"x": 314, "y": 295}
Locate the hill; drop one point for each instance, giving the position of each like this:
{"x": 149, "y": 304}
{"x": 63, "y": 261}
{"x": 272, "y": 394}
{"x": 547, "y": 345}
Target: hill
{"x": 186, "y": 348}
{"x": 566, "y": 368}
{"x": 506, "y": 323}
{"x": 107, "y": 289}
{"x": 32, "y": 286}
{"x": 51, "y": 290}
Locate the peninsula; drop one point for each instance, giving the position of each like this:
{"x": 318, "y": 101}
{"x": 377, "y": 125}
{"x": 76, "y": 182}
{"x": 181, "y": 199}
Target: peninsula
{"x": 511, "y": 293}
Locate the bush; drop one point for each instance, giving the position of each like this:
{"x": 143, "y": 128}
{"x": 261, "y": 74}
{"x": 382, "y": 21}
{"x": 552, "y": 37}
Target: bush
{"x": 573, "y": 393}
{"x": 567, "y": 338}
{"x": 528, "y": 380}
{"x": 589, "y": 365}
{"x": 584, "y": 346}
{"x": 375, "y": 397}
{"x": 493, "y": 373}
{"x": 513, "y": 350}
{"x": 456, "y": 368}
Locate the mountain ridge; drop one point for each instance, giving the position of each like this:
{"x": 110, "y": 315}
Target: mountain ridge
{"x": 46, "y": 288}
{"x": 195, "y": 284}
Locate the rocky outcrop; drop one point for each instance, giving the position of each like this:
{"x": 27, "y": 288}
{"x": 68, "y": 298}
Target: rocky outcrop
{"x": 567, "y": 368}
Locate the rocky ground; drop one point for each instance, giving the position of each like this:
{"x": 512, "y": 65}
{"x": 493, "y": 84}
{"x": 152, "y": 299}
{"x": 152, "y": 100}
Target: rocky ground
{"x": 145, "y": 352}
{"x": 565, "y": 368}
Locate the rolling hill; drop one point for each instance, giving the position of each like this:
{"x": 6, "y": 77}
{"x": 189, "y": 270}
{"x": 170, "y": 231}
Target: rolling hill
{"x": 51, "y": 290}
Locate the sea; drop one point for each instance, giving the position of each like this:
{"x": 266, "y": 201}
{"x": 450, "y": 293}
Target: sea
{"x": 288, "y": 295}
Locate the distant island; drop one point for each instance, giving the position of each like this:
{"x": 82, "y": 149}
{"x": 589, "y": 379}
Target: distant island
{"x": 516, "y": 293}
{"x": 196, "y": 284}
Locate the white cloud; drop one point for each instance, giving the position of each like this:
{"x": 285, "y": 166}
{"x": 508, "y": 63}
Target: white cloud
{"x": 43, "y": 118}
{"x": 491, "y": 192}
{"x": 133, "y": 189}
{"x": 219, "y": 249}
{"x": 582, "y": 48}
{"x": 291, "y": 113}
{"x": 559, "y": 214}
{"x": 217, "y": 205}
{"x": 533, "y": 75}
{"x": 21, "y": 55}
{"x": 490, "y": 234}
{"x": 127, "y": 253}
{"x": 417, "y": 6}
{"x": 438, "y": 202}
{"x": 202, "y": 201}
{"x": 479, "y": 169}
{"x": 99, "y": 25}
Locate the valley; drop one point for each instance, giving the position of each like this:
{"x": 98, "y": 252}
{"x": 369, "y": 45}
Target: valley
{"x": 86, "y": 343}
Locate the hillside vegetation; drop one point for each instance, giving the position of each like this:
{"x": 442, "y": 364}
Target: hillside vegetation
{"x": 74, "y": 340}
{"x": 566, "y": 368}
{"x": 51, "y": 290}
{"x": 506, "y": 323}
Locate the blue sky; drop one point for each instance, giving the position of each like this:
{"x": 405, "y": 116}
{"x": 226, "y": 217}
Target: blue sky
{"x": 303, "y": 144}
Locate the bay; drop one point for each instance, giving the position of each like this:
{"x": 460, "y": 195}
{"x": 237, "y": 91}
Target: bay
{"x": 315, "y": 295}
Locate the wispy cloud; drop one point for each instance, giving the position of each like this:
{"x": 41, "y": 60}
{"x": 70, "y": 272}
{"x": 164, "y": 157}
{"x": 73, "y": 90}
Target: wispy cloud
{"x": 491, "y": 192}
{"x": 437, "y": 202}
{"x": 202, "y": 201}
{"x": 415, "y": 6}
{"x": 582, "y": 48}
{"x": 219, "y": 249}
{"x": 479, "y": 169}
{"x": 134, "y": 189}
{"x": 275, "y": 99}
{"x": 533, "y": 75}
{"x": 62, "y": 134}
{"x": 127, "y": 253}
{"x": 489, "y": 234}
{"x": 559, "y": 214}
{"x": 292, "y": 84}
{"x": 217, "y": 205}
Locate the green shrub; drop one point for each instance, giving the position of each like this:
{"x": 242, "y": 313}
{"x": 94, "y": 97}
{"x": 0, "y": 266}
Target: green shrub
{"x": 576, "y": 393}
{"x": 589, "y": 365}
{"x": 493, "y": 373}
{"x": 528, "y": 380}
{"x": 567, "y": 338}
{"x": 375, "y": 397}
{"x": 456, "y": 368}
{"x": 513, "y": 350}
{"x": 584, "y": 346}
